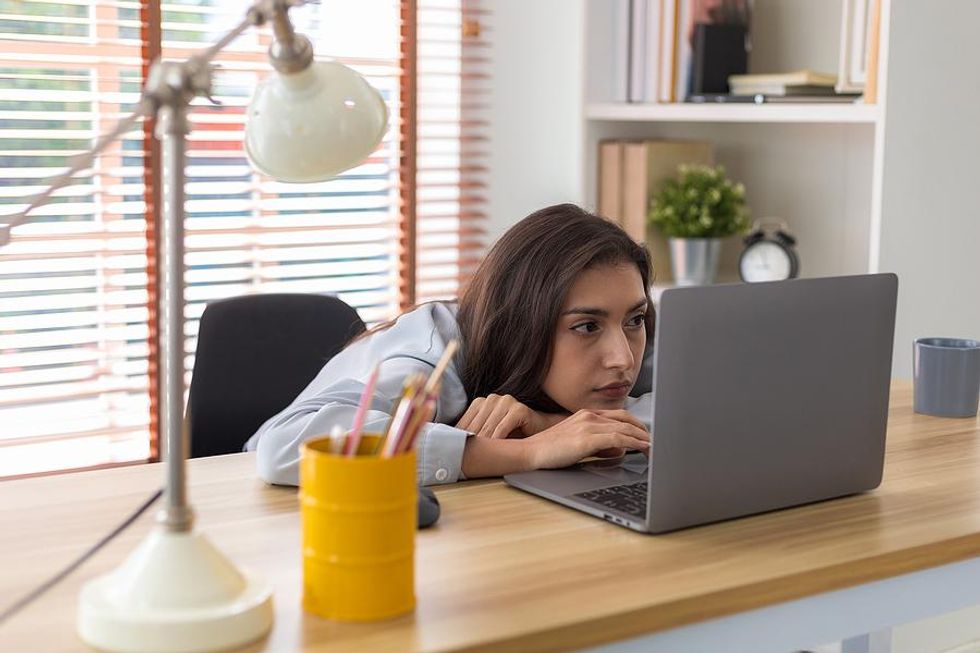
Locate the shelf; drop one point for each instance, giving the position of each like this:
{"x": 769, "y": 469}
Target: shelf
{"x": 798, "y": 113}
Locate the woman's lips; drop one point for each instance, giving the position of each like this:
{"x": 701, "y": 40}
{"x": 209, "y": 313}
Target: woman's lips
{"x": 616, "y": 391}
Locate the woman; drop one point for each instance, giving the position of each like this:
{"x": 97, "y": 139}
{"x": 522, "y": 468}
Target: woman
{"x": 553, "y": 328}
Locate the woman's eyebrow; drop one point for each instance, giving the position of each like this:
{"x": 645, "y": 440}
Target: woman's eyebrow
{"x": 601, "y": 312}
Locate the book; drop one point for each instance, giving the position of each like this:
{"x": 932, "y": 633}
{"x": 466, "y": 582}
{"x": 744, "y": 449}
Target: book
{"x": 610, "y": 180}
{"x": 620, "y": 51}
{"x": 668, "y": 28}
{"x": 854, "y": 33}
{"x": 682, "y": 50}
{"x": 638, "y": 51}
{"x": 833, "y": 98}
{"x": 801, "y": 82}
{"x": 651, "y": 83}
{"x": 874, "y": 35}
{"x": 780, "y": 89}
{"x": 647, "y": 165}
{"x": 804, "y": 77}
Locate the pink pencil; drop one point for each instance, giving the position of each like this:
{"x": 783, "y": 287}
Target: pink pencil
{"x": 362, "y": 407}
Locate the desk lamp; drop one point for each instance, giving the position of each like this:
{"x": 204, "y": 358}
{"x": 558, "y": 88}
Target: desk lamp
{"x": 308, "y": 121}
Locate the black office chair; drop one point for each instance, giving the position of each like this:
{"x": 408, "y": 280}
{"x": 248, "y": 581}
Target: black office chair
{"x": 254, "y": 355}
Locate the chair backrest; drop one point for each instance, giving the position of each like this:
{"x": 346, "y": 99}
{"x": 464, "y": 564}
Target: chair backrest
{"x": 254, "y": 355}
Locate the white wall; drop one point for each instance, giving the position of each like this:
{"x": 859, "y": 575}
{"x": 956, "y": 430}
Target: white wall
{"x": 536, "y": 108}
{"x": 931, "y": 231}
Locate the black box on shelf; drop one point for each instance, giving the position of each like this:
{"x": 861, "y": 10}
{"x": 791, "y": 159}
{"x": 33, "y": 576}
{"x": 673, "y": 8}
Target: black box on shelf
{"x": 718, "y": 51}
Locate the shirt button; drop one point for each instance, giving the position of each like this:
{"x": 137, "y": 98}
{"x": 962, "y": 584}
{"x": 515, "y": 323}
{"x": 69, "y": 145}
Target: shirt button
{"x": 442, "y": 474}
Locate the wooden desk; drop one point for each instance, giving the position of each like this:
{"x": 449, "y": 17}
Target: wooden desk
{"x": 508, "y": 571}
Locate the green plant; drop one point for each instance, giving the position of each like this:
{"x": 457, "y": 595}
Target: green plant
{"x": 700, "y": 203}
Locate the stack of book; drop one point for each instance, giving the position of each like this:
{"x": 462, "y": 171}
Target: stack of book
{"x": 631, "y": 173}
{"x": 800, "y": 82}
{"x": 797, "y": 86}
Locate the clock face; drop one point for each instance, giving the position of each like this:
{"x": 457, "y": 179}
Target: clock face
{"x": 765, "y": 261}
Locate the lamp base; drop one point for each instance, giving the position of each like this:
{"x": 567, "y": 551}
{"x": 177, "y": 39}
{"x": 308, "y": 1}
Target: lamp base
{"x": 175, "y": 593}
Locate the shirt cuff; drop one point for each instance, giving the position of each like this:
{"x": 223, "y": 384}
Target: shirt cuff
{"x": 440, "y": 454}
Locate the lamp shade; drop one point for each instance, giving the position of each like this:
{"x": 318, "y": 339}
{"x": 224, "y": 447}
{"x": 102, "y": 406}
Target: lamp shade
{"x": 311, "y": 125}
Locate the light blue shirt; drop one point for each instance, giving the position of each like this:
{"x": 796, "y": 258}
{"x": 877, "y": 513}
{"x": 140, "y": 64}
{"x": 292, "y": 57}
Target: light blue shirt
{"x": 414, "y": 343}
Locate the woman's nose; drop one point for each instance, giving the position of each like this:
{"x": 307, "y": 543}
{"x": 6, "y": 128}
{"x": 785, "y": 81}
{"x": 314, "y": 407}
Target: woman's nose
{"x": 618, "y": 353}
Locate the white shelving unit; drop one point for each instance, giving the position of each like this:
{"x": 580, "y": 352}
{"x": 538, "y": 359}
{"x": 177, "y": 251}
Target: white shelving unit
{"x": 850, "y": 179}
{"x": 726, "y": 113}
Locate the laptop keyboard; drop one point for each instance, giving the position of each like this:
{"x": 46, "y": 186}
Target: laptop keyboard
{"x": 630, "y": 498}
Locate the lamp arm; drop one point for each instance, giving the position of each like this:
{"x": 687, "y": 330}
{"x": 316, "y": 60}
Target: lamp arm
{"x": 80, "y": 162}
{"x": 253, "y": 16}
{"x": 295, "y": 48}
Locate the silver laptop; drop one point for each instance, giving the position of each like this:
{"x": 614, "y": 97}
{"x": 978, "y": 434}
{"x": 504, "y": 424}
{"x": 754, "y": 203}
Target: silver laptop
{"x": 766, "y": 396}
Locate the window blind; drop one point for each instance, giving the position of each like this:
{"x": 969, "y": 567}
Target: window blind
{"x": 74, "y": 314}
{"x": 452, "y": 123}
{"x": 72, "y": 306}
{"x": 247, "y": 233}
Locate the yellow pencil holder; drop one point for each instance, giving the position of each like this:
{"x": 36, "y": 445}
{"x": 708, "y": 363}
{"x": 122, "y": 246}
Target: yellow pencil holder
{"x": 359, "y": 517}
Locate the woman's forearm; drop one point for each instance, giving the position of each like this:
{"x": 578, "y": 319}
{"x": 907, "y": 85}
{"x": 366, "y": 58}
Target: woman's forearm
{"x": 484, "y": 457}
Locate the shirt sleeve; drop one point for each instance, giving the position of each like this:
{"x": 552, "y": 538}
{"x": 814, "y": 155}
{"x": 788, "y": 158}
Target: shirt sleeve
{"x": 440, "y": 454}
{"x": 439, "y": 451}
{"x": 412, "y": 345}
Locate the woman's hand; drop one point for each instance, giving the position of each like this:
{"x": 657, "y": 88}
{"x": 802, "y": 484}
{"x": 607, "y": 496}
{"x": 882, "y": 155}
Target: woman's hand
{"x": 498, "y": 416}
{"x": 586, "y": 433}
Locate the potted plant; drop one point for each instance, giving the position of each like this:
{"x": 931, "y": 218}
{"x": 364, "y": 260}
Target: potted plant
{"x": 695, "y": 212}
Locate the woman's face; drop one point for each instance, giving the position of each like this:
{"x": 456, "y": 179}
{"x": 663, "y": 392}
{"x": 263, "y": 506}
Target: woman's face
{"x": 599, "y": 339}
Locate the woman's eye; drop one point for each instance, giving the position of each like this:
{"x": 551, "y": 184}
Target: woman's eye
{"x": 637, "y": 320}
{"x": 586, "y": 327}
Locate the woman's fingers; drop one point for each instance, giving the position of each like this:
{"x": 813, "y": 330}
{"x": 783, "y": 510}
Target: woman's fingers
{"x": 631, "y": 431}
{"x": 611, "y": 440}
{"x": 622, "y": 416}
{"x": 480, "y": 418}
{"x": 496, "y": 416}
{"x": 513, "y": 420}
{"x": 611, "y": 444}
{"x": 471, "y": 412}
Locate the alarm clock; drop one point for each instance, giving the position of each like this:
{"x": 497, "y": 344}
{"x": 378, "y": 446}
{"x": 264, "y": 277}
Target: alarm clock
{"x": 769, "y": 254}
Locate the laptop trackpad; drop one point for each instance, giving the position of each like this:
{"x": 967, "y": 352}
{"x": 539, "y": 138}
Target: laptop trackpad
{"x": 629, "y": 469}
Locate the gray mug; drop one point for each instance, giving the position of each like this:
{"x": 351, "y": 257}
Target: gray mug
{"x": 946, "y": 376}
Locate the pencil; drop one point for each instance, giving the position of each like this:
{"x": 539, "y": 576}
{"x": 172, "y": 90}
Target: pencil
{"x": 354, "y": 440}
{"x": 441, "y": 367}
{"x": 402, "y": 416}
{"x": 426, "y": 413}
{"x": 416, "y": 407}
{"x": 417, "y": 419}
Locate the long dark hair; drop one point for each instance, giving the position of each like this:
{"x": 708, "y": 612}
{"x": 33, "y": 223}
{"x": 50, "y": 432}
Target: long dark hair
{"x": 509, "y": 309}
